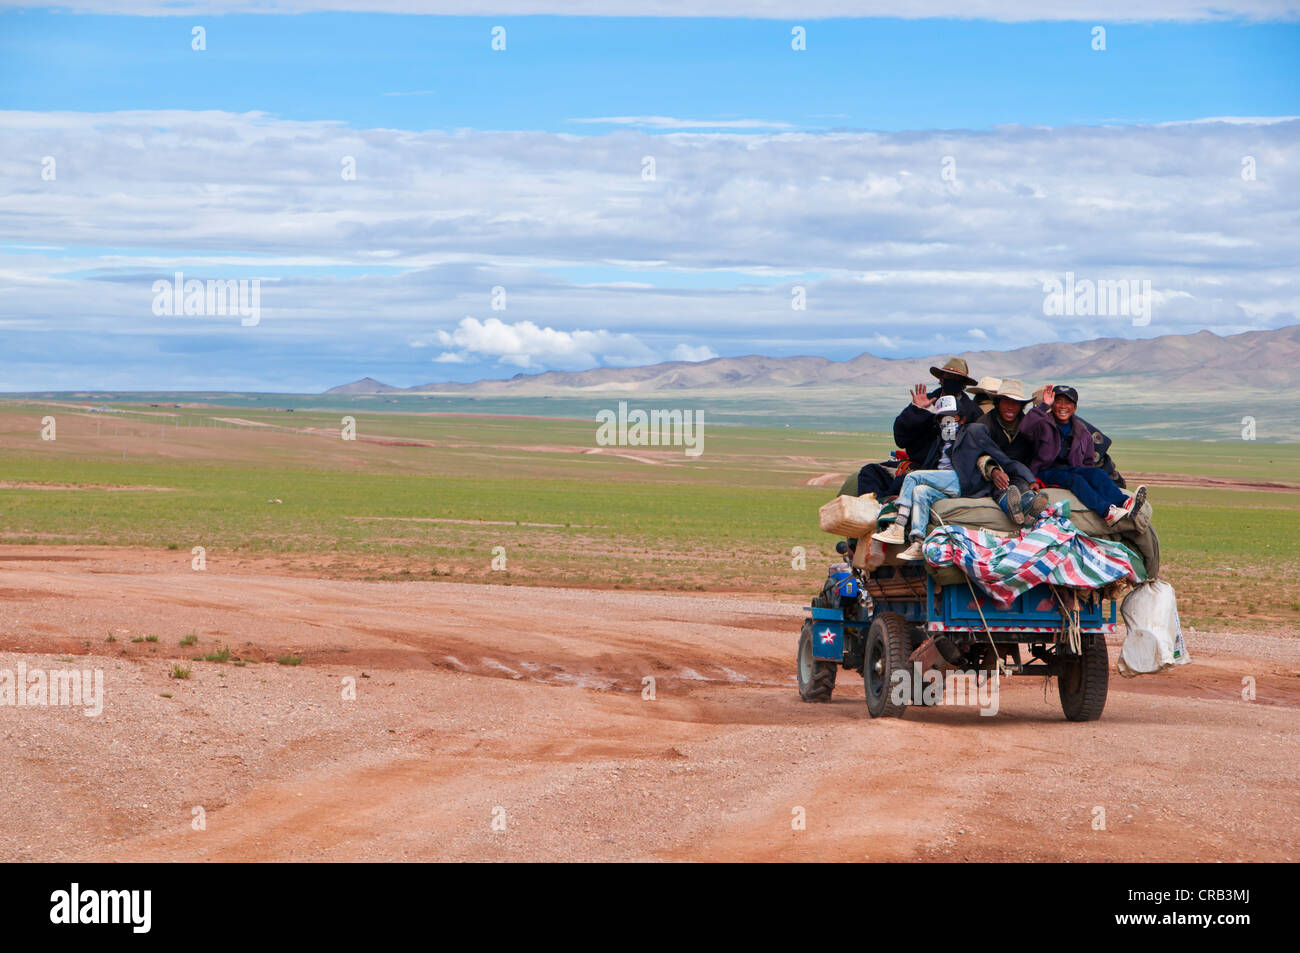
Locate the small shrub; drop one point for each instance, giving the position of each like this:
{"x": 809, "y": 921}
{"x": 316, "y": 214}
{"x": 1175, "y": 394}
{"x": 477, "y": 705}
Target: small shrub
{"x": 180, "y": 671}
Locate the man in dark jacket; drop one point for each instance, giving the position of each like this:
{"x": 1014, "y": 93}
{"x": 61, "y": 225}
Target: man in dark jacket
{"x": 1065, "y": 455}
{"x": 916, "y": 429}
{"x": 1003, "y": 421}
{"x": 969, "y": 464}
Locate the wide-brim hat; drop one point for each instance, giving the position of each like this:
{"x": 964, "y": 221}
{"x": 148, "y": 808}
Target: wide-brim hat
{"x": 1015, "y": 389}
{"x": 987, "y": 385}
{"x": 954, "y": 365}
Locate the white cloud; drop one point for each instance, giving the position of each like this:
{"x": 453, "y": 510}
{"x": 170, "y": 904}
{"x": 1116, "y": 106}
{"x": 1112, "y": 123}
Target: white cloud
{"x": 978, "y": 333}
{"x": 523, "y": 344}
{"x": 693, "y": 353}
{"x": 891, "y": 257}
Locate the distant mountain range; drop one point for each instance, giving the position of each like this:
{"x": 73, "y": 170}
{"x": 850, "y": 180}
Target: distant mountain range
{"x": 1203, "y": 362}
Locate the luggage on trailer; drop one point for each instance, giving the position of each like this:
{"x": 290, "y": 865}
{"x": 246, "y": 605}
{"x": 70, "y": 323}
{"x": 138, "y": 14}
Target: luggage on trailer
{"x": 852, "y": 516}
{"x": 1155, "y": 638}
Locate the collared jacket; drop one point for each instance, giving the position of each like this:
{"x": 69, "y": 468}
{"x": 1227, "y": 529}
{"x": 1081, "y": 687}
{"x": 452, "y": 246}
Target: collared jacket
{"x": 1015, "y": 445}
{"x": 917, "y": 430}
{"x": 973, "y": 443}
{"x": 1039, "y": 426}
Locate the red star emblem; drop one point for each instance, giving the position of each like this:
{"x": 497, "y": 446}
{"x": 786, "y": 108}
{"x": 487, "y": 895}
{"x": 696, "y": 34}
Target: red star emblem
{"x": 828, "y": 637}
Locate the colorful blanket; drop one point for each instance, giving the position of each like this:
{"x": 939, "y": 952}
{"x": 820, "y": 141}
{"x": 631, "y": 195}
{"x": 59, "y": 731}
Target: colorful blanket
{"x": 1053, "y": 551}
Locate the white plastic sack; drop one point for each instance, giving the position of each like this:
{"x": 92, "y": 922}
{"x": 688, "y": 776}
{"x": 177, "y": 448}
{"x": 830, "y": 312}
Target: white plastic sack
{"x": 1155, "y": 639}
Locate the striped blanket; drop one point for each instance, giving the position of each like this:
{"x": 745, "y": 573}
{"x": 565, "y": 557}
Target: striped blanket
{"x": 1053, "y": 551}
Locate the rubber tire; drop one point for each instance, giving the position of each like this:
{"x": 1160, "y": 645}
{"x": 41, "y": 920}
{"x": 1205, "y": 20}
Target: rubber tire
{"x": 816, "y": 678}
{"x": 887, "y": 645}
{"x": 1083, "y": 690}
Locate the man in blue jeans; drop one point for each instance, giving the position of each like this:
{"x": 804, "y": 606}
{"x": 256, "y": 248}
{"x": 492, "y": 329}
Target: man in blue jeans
{"x": 1063, "y": 456}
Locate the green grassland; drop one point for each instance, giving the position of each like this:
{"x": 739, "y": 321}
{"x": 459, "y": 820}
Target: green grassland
{"x": 430, "y": 497}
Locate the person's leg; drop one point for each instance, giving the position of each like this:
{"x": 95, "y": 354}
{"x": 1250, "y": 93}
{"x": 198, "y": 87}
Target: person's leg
{"x": 1032, "y": 502}
{"x": 897, "y": 531}
{"x": 1074, "y": 480}
{"x": 1103, "y": 486}
{"x": 905, "y": 491}
{"x": 933, "y": 485}
{"x": 921, "y": 500}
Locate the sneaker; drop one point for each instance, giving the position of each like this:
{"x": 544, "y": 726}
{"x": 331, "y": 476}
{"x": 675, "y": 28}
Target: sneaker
{"x": 894, "y": 536}
{"x": 913, "y": 552}
{"x": 1013, "y": 500}
{"x": 1032, "y": 505}
{"x": 1115, "y": 514}
{"x": 1137, "y": 499}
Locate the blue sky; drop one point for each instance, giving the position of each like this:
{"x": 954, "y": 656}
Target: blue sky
{"x": 478, "y": 170}
{"x": 416, "y": 72}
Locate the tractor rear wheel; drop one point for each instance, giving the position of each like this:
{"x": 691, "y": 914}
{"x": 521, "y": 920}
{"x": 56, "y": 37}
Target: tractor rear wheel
{"x": 1083, "y": 685}
{"x": 888, "y": 646}
{"x": 816, "y": 677}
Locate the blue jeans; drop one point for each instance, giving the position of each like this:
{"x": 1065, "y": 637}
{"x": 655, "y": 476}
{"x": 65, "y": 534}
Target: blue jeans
{"x": 920, "y": 489}
{"x": 1091, "y": 485}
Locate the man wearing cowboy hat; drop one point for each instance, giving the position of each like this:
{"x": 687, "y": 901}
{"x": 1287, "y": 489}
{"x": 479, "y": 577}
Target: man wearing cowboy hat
{"x": 916, "y": 428}
{"x": 1064, "y": 455}
{"x": 1003, "y": 421}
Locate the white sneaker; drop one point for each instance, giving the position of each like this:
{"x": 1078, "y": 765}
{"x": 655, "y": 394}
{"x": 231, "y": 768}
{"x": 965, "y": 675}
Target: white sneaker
{"x": 913, "y": 552}
{"x": 895, "y": 536}
{"x": 1115, "y": 514}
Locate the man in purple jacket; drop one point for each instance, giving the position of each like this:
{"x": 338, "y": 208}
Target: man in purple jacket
{"x": 1063, "y": 455}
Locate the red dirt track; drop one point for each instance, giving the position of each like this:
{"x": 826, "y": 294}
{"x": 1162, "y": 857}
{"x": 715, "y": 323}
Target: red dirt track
{"x": 526, "y": 705}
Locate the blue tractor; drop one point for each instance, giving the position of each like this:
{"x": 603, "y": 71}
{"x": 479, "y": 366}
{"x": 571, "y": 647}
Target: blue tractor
{"x": 885, "y": 622}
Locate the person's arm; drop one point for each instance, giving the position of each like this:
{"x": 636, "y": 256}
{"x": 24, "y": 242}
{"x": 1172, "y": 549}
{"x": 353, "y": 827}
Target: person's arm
{"x": 996, "y": 466}
{"x": 912, "y": 425}
{"x": 1035, "y": 422}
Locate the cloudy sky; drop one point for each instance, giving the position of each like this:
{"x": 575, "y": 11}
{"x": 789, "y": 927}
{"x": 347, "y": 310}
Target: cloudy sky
{"x": 623, "y": 189}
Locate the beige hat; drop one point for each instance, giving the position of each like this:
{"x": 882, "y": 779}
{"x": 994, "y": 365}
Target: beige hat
{"x": 1010, "y": 387}
{"x": 954, "y": 365}
{"x": 987, "y": 385}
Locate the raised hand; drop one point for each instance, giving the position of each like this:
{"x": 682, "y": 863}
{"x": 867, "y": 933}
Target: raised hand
{"x": 1046, "y": 397}
{"x": 919, "y": 397}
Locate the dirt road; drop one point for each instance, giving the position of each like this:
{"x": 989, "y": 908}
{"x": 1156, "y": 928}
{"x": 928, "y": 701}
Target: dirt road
{"x": 494, "y": 722}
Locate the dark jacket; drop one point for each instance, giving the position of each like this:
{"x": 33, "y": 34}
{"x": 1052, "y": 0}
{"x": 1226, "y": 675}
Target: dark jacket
{"x": 917, "y": 430}
{"x": 1019, "y": 448}
{"x": 972, "y": 443}
{"x": 1039, "y": 426}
